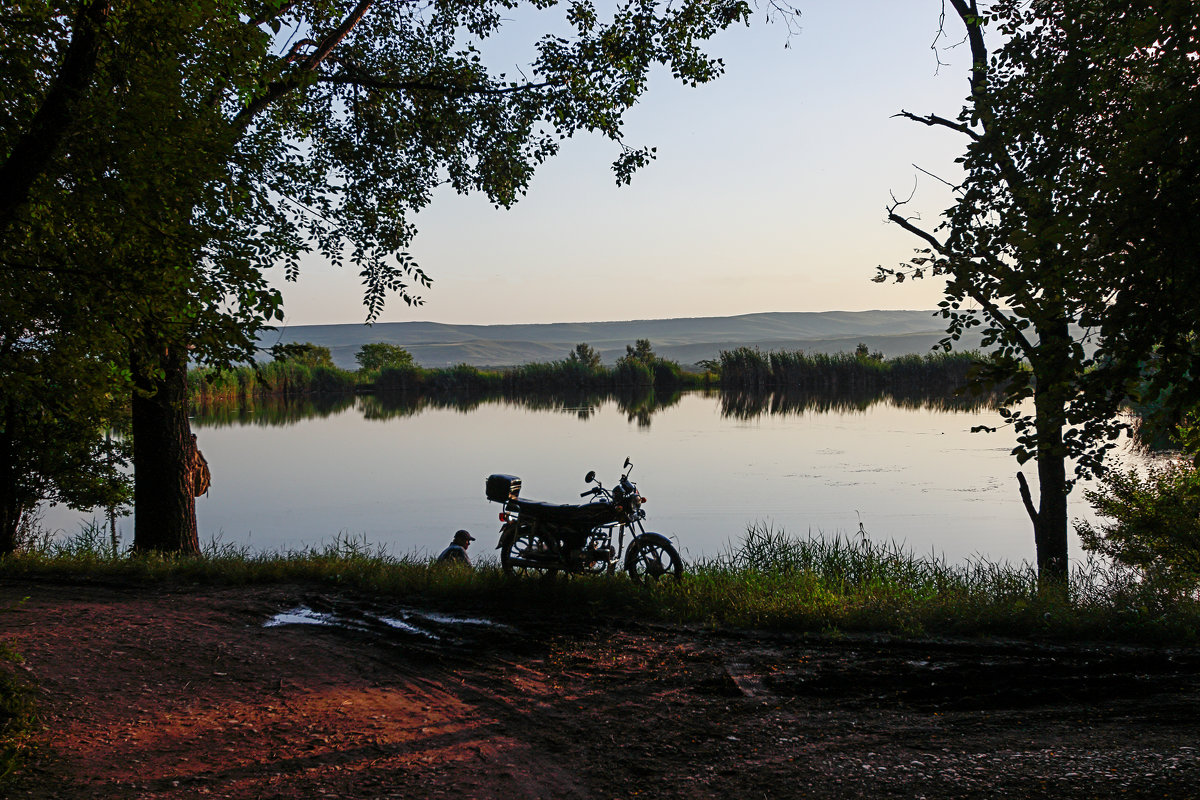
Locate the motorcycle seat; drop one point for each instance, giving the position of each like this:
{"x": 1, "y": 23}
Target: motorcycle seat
{"x": 585, "y": 514}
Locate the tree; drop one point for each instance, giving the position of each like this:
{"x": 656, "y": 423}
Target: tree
{"x": 640, "y": 351}
{"x": 56, "y": 406}
{"x": 203, "y": 144}
{"x": 377, "y": 355}
{"x": 62, "y": 458}
{"x": 306, "y": 354}
{"x": 1062, "y": 233}
{"x": 641, "y": 366}
{"x": 130, "y": 249}
{"x": 585, "y": 355}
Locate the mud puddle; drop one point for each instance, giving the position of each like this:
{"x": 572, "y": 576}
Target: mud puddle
{"x": 393, "y": 625}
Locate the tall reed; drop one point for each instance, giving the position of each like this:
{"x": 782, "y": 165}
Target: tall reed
{"x": 751, "y": 369}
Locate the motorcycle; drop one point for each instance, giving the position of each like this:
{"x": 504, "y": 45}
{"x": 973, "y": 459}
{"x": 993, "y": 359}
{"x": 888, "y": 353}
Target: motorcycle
{"x": 545, "y": 538}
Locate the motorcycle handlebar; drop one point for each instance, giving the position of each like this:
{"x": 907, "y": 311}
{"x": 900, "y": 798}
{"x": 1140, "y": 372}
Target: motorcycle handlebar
{"x": 589, "y": 491}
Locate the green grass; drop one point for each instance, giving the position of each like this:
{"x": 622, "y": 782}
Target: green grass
{"x": 769, "y": 580}
{"x": 772, "y": 580}
{"x": 18, "y": 715}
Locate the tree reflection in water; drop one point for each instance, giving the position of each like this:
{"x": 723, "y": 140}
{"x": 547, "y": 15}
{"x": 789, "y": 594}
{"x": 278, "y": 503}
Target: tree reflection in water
{"x": 269, "y": 411}
{"x": 639, "y": 404}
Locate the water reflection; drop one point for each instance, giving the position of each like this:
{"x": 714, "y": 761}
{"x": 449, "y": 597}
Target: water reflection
{"x": 269, "y": 411}
{"x": 751, "y": 404}
{"x": 638, "y": 404}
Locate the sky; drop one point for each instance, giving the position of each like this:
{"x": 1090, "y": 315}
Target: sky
{"x": 769, "y": 191}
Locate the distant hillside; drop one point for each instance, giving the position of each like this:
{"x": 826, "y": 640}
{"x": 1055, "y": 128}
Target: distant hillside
{"x": 687, "y": 340}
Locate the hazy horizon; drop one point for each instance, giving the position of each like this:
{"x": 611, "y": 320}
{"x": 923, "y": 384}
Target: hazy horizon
{"x": 688, "y": 340}
{"x": 415, "y": 320}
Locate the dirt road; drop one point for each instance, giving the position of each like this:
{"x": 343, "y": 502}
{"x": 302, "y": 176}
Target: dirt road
{"x": 298, "y": 692}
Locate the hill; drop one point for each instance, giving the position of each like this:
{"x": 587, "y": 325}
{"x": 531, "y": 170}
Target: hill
{"x": 687, "y": 340}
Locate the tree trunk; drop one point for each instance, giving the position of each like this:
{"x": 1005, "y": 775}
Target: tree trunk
{"x": 164, "y": 505}
{"x": 10, "y": 507}
{"x": 1050, "y": 529}
{"x": 1052, "y": 371}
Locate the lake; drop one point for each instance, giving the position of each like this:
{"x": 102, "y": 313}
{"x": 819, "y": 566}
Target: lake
{"x": 407, "y": 475}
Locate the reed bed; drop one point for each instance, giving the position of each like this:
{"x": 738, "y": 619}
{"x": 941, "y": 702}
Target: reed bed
{"x": 743, "y": 369}
{"x": 769, "y": 580}
{"x": 545, "y": 377}
{"x": 207, "y": 385}
{"x": 750, "y": 368}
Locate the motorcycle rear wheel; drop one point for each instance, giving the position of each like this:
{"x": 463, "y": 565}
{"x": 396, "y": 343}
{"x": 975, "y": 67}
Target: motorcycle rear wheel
{"x": 530, "y": 553}
{"x": 652, "y": 561}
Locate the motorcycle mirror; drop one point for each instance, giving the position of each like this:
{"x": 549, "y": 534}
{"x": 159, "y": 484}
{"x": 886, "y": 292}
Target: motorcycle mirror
{"x": 628, "y": 463}
{"x": 591, "y": 476}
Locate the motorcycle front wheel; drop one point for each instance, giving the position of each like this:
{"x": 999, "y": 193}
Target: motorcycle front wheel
{"x": 652, "y": 561}
{"x": 530, "y": 553}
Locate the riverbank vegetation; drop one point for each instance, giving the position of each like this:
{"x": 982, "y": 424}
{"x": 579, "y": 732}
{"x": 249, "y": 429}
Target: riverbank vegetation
{"x": 824, "y": 585}
{"x": 750, "y": 368}
{"x": 752, "y": 383}
{"x": 306, "y": 369}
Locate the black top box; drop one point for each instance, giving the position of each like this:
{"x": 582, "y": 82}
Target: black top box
{"x": 503, "y": 488}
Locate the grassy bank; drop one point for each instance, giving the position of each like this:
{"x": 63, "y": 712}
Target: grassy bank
{"x": 769, "y": 581}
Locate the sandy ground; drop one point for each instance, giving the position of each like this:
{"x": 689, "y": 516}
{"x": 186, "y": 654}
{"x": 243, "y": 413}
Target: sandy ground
{"x": 190, "y": 692}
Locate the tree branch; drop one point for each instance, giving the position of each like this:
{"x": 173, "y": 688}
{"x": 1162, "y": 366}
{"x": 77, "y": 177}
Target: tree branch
{"x": 293, "y": 54}
{"x": 968, "y": 12}
{"x": 1001, "y": 319}
{"x": 935, "y": 120}
{"x": 938, "y": 178}
{"x": 32, "y": 153}
{"x": 1027, "y": 499}
{"x": 994, "y": 312}
{"x": 913, "y": 229}
{"x": 308, "y": 65}
{"x": 377, "y": 84}
{"x": 267, "y": 14}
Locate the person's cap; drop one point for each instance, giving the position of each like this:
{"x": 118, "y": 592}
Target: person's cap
{"x": 464, "y": 535}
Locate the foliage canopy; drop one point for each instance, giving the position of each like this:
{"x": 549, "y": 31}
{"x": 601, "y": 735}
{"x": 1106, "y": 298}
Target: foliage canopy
{"x": 1073, "y": 230}
{"x": 159, "y": 159}
{"x": 377, "y": 355}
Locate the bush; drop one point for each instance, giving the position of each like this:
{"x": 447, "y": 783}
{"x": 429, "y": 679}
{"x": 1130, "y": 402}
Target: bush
{"x": 1155, "y": 524}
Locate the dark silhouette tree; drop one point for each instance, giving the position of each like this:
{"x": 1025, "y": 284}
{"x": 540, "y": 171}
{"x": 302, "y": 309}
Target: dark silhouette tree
{"x": 1073, "y": 230}
{"x": 188, "y": 149}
